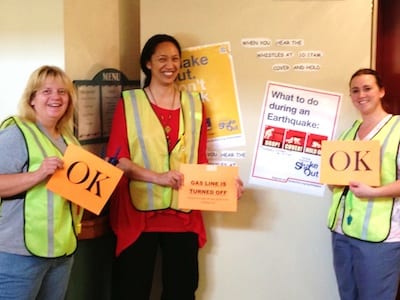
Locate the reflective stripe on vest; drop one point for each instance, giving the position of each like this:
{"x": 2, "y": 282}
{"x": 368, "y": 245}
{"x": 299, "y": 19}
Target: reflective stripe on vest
{"x": 149, "y": 148}
{"x": 50, "y": 221}
{"x": 371, "y": 218}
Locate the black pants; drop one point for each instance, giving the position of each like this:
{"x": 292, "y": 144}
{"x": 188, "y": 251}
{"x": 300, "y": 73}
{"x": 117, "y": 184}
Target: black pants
{"x": 134, "y": 268}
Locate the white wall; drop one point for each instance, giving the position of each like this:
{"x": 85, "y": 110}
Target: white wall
{"x": 31, "y": 34}
{"x": 277, "y": 245}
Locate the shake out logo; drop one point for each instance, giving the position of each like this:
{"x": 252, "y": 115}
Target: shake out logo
{"x": 307, "y": 167}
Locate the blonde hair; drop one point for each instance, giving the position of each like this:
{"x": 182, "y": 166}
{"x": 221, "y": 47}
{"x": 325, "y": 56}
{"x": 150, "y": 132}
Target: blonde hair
{"x": 35, "y": 82}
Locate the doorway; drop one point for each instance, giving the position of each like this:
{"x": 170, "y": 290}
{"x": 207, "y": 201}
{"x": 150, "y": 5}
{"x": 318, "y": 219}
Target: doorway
{"x": 388, "y": 52}
{"x": 388, "y": 55}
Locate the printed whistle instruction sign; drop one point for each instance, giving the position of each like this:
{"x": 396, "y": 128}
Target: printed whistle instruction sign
{"x": 208, "y": 187}
{"x": 344, "y": 161}
{"x": 86, "y": 179}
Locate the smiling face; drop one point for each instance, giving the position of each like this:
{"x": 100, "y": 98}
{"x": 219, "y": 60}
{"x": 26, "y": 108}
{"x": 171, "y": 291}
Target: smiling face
{"x": 50, "y": 102}
{"x": 164, "y": 63}
{"x": 366, "y": 94}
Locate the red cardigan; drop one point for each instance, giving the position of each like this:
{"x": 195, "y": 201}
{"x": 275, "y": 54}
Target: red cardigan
{"x": 128, "y": 223}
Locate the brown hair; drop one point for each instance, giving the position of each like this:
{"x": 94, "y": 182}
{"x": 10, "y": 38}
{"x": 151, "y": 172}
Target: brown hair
{"x": 379, "y": 82}
{"x": 367, "y": 71}
{"x": 148, "y": 50}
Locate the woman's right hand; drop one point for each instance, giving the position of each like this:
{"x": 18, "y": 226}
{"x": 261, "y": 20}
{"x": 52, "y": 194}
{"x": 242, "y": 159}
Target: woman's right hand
{"x": 173, "y": 179}
{"x": 49, "y": 166}
{"x": 132, "y": 171}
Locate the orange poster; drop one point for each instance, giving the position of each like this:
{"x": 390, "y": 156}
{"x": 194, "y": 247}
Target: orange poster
{"x": 208, "y": 69}
{"x": 208, "y": 187}
{"x": 344, "y": 161}
{"x": 86, "y": 179}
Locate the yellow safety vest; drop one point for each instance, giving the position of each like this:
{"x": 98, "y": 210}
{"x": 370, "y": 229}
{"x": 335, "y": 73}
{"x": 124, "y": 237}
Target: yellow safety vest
{"x": 369, "y": 219}
{"x": 51, "y": 223}
{"x": 149, "y": 148}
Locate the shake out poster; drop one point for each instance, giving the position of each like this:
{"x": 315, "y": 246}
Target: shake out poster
{"x": 209, "y": 70}
{"x": 294, "y": 122}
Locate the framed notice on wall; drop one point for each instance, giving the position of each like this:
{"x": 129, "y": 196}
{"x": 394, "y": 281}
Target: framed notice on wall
{"x": 96, "y": 103}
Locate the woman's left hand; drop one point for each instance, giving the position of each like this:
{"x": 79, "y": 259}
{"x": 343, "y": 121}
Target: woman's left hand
{"x": 239, "y": 187}
{"x": 361, "y": 190}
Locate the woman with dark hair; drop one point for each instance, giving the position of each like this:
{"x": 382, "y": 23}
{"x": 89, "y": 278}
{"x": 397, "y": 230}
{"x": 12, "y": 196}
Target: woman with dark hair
{"x": 365, "y": 220}
{"x": 157, "y": 128}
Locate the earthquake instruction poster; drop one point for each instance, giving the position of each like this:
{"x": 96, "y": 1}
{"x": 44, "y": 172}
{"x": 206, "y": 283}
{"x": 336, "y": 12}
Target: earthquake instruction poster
{"x": 209, "y": 70}
{"x": 293, "y": 123}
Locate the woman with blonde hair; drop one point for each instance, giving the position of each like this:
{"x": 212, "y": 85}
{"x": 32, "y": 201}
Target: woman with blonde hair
{"x": 38, "y": 229}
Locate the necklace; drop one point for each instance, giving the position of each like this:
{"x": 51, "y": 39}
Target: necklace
{"x": 169, "y": 121}
{"x": 170, "y": 107}
{"x": 164, "y": 114}
{"x": 165, "y": 121}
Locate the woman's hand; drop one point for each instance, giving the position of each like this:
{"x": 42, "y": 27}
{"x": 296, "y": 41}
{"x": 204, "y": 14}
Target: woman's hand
{"x": 173, "y": 179}
{"x": 48, "y": 167}
{"x": 239, "y": 187}
{"x": 362, "y": 190}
